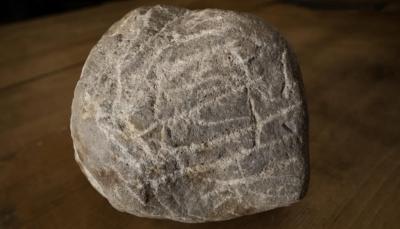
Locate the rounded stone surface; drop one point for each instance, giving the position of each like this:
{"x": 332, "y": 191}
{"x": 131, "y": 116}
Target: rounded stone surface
{"x": 193, "y": 116}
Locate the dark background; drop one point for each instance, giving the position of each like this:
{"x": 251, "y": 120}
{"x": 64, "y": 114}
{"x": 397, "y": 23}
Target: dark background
{"x": 13, "y": 10}
{"x": 24, "y": 9}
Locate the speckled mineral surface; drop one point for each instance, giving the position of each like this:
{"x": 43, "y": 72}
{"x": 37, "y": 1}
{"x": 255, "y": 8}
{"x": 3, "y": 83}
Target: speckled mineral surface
{"x": 192, "y": 116}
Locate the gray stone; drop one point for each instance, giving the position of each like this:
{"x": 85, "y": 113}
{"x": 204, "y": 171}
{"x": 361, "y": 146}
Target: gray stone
{"x": 192, "y": 116}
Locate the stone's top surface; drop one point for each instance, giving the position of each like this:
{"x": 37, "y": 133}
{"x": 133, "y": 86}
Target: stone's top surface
{"x": 192, "y": 115}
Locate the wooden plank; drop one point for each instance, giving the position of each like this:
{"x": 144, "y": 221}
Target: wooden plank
{"x": 26, "y": 69}
{"x": 41, "y": 35}
{"x": 35, "y": 48}
{"x": 48, "y": 45}
{"x": 44, "y": 45}
{"x": 36, "y": 100}
{"x": 63, "y": 200}
{"x": 35, "y": 113}
{"x": 40, "y": 171}
{"x": 350, "y": 69}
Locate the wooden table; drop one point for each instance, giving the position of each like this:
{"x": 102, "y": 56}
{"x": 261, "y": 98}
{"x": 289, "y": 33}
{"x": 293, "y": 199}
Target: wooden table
{"x": 350, "y": 61}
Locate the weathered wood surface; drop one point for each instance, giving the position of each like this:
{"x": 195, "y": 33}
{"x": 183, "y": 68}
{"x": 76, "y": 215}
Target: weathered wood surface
{"x": 350, "y": 61}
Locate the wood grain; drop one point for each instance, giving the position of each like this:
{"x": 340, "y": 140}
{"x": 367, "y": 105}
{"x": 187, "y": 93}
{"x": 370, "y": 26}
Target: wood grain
{"x": 350, "y": 62}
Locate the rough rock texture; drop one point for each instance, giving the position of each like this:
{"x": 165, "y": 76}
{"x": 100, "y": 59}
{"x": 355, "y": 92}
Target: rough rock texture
{"x": 192, "y": 115}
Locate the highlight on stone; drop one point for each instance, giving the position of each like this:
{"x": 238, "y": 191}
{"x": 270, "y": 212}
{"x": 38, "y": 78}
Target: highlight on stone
{"x": 192, "y": 116}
